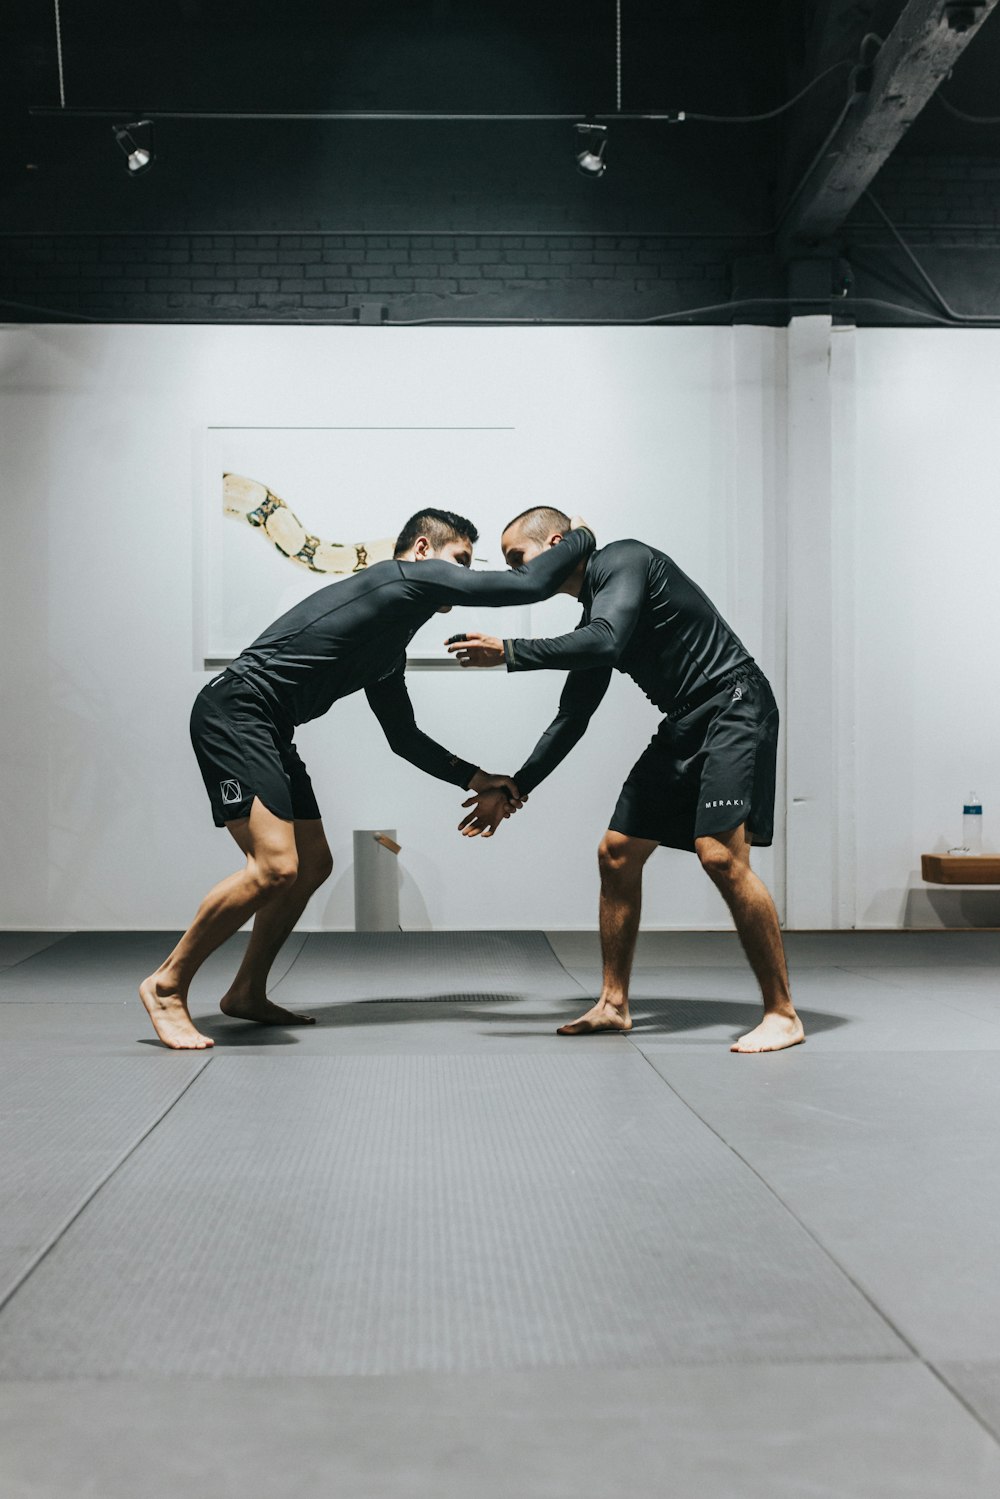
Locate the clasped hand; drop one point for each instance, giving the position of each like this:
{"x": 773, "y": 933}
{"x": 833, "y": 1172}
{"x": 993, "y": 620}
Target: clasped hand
{"x": 494, "y": 799}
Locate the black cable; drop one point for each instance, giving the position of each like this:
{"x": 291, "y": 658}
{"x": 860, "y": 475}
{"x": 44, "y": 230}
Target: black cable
{"x": 960, "y": 318}
{"x": 417, "y": 116}
{"x": 960, "y": 114}
{"x": 771, "y": 113}
{"x": 834, "y": 128}
{"x": 834, "y": 303}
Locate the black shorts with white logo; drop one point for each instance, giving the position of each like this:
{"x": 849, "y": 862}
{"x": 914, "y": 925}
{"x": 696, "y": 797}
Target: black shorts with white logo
{"x": 709, "y": 770}
{"x": 243, "y": 753}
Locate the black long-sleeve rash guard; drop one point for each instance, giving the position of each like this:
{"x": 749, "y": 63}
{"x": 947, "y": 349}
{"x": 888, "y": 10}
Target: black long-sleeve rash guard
{"x": 642, "y": 616}
{"x": 353, "y": 634}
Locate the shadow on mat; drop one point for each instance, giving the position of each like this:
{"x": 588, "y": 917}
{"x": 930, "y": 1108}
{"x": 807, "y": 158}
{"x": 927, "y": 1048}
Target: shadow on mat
{"x": 345, "y": 1014}
{"x": 663, "y": 1017}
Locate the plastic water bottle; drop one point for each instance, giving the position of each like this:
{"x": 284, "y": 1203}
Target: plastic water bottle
{"x": 972, "y": 824}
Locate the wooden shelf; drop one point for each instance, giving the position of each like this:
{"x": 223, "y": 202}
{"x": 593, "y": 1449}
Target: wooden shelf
{"x": 960, "y": 869}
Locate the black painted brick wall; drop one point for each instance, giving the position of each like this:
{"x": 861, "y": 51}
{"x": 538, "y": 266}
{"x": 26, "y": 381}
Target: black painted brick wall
{"x": 328, "y": 276}
{"x": 948, "y": 206}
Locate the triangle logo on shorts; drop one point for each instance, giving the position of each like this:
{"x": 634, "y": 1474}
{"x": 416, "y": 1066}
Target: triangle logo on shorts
{"x": 231, "y": 792}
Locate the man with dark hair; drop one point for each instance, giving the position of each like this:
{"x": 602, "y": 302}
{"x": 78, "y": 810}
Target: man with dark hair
{"x": 438, "y": 526}
{"x": 347, "y": 636}
{"x": 706, "y": 781}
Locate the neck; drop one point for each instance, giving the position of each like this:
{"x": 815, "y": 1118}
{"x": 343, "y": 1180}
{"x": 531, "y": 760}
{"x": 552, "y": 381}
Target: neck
{"x": 574, "y": 583}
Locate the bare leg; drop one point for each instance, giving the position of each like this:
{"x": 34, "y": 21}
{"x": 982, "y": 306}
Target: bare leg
{"x": 246, "y": 997}
{"x": 726, "y": 860}
{"x": 622, "y": 861}
{"x": 269, "y": 844}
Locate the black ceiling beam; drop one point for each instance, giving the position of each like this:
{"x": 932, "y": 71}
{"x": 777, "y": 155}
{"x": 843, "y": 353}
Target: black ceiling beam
{"x": 919, "y": 52}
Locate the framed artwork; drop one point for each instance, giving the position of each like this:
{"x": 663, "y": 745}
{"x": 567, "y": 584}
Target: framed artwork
{"x": 287, "y": 510}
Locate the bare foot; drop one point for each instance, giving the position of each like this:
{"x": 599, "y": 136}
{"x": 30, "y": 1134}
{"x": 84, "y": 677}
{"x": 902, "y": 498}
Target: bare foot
{"x": 603, "y": 1017}
{"x": 169, "y": 1014}
{"x": 774, "y": 1033}
{"x": 250, "y": 1007}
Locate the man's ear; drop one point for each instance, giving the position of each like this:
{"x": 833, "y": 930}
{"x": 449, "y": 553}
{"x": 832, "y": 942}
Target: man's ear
{"x": 422, "y": 549}
{"x": 555, "y": 538}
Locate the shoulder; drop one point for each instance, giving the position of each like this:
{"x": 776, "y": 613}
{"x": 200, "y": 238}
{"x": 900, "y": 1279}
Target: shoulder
{"x": 382, "y": 572}
{"x": 429, "y": 572}
{"x": 626, "y": 553}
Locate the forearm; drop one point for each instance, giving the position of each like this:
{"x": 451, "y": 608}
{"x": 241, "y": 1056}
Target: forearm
{"x": 432, "y": 758}
{"x": 593, "y": 645}
{"x": 552, "y": 748}
{"x": 536, "y": 580}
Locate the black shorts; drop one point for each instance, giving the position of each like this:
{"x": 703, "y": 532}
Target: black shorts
{"x": 243, "y": 753}
{"x": 705, "y": 773}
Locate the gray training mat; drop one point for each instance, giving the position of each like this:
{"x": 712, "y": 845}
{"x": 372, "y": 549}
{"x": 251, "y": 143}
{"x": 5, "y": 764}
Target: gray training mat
{"x": 64, "y": 1126}
{"x": 403, "y": 993}
{"x": 107, "y": 968}
{"x": 786, "y": 1431}
{"x": 689, "y": 994}
{"x": 15, "y": 947}
{"x": 377, "y": 1215}
{"x": 910, "y": 1201}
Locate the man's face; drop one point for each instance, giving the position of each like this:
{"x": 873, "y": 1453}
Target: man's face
{"x": 518, "y": 548}
{"x": 458, "y": 550}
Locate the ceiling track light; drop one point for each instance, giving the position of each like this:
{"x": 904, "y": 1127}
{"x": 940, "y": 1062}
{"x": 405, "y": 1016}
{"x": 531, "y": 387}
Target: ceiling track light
{"x": 135, "y": 141}
{"x": 591, "y": 141}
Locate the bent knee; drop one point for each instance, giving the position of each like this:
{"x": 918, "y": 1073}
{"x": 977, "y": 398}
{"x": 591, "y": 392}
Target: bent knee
{"x": 276, "y": 874}
{"x": 718, "y": 862}
{"x": 618, "y": 854}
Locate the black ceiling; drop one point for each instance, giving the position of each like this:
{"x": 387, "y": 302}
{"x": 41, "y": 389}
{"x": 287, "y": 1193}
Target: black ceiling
{"x": 518, "y": 56}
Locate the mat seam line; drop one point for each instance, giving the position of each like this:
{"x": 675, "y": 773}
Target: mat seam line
{"x": 560, "y": 964}
{"x": 935, "y": 1372}
{"x": 102, "y": 1182}
{"x": 778, "y": 1198}
{"x": 11, "y": 966}
{"x": 827, "y": 1253}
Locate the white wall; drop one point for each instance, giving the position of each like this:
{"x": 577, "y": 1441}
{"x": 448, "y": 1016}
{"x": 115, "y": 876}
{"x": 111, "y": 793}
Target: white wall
{"x": 834, "y": 491}
{"x": 926, "y": 579}
{"x": 104, "y": 819}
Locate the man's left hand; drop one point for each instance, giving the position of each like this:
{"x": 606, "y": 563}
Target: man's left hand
{"x": 477, "y": 650}
{"x": 491, "y": 809}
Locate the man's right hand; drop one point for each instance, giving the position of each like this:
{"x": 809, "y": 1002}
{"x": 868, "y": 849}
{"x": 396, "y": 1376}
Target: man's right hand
{"x": 483, "y": 781}
{"x": 491, "y": 809}
{"x": 578, "y": 522}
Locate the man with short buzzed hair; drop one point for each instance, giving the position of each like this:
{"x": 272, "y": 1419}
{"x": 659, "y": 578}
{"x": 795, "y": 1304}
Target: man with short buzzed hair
{"x": 705, "y": 782}
{"x": 342, "y": 638}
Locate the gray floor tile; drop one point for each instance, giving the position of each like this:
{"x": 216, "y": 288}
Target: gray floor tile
{"x": 415, "y": 993}
{"x": 979, "y": 1386}
{"x": 62, "y": 1128}
{"x": 16, "y": 946}
{"x": 382, "y": 1214}
{"x": 393, "y": 966}
{"x": 841, "y": 1010}
{"x": 891, "y": 1162}
{"x": 751, "y": 1432}
{"x": 107, "y": 968}
{"x": 851, "y": 949}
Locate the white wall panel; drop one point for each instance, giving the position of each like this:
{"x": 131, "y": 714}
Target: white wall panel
{"x": 105, "y": 821}
{"x": 926, "y": 545}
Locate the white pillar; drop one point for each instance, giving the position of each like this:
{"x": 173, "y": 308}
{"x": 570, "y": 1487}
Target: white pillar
{"x": 820, "y": 717}
{"x": 376, "y": 881}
